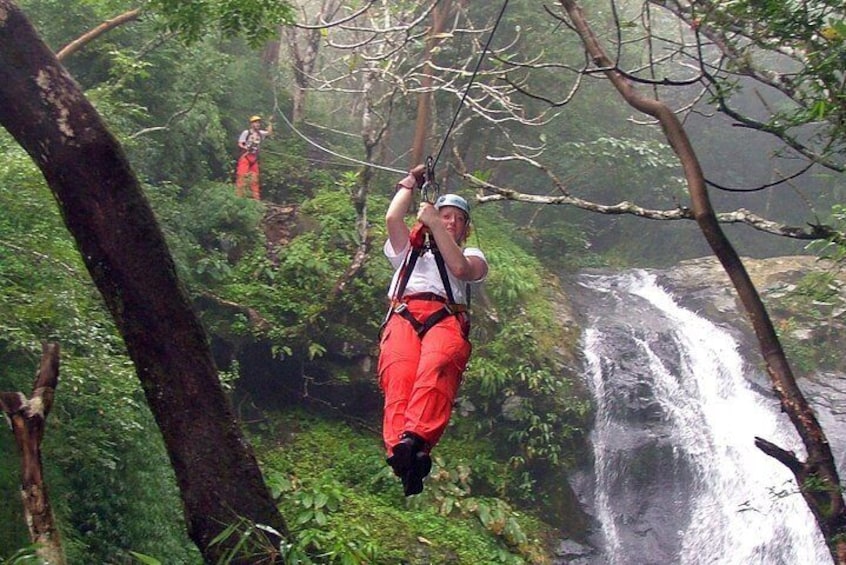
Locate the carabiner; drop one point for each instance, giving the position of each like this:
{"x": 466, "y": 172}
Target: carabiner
{"x": 429, "y": 182}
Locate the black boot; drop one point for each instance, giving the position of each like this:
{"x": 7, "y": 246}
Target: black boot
{"x": 412, "y": 481}
{"x": 404, "y": 452}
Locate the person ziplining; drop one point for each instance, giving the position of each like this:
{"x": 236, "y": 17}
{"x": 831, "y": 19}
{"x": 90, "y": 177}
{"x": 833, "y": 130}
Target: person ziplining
{"x": 247, "y": 168}
{"x": 424, "y": 341}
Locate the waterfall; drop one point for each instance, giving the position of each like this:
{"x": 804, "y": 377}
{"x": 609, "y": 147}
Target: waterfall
{"x": 677, "y": 477}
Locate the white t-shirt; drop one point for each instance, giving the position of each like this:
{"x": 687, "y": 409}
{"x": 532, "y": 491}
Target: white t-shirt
{"x": 253, "y": 138}
{"x": 425, "y": 277}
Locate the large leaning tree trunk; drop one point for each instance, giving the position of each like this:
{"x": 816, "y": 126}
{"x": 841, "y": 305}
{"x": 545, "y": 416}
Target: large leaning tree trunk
{"x": 817, "y": 476}
{"x": 124, "y": 250}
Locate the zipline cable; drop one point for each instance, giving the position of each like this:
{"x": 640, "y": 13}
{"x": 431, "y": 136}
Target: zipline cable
{"x": 469, "y": 84}
{"x": 333, "y": 153}
{"x": 278, "y": 111}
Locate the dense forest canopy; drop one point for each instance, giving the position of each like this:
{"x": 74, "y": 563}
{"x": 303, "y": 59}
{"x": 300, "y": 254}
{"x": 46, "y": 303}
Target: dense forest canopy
{"x": 290, "y": 290}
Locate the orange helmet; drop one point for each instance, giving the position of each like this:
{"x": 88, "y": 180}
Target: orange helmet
{"x": 255, "y": 119}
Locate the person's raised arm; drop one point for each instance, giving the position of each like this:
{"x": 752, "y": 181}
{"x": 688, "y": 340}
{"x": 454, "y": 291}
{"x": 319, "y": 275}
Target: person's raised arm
{"x": 398, "y": 231}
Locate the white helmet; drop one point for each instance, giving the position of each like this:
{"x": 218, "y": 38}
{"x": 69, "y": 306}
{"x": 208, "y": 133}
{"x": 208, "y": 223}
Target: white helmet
{"x": 453, "y": 200}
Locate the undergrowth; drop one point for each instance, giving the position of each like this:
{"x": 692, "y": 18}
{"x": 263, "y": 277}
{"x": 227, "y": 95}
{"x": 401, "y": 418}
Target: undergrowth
{"x": 344, "y": 505}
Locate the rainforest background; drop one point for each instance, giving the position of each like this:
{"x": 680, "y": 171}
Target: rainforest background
{"x": 291, "y": 289}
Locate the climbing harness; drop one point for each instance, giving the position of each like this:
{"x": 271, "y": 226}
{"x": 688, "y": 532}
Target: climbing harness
{"x": 399, "y": 302}
{"x": 421, "y": 242}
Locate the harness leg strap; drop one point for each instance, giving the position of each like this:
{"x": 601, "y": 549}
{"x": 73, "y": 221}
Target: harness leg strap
{"x": 429, "y": 323}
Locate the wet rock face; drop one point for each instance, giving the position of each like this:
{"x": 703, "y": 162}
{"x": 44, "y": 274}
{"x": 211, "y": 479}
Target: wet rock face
{"x": 657, "y": 404}
{"x": 703, "y": 283}
{"x": 815, "y": 327}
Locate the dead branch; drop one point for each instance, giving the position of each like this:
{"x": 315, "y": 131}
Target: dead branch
{"x": 257, "y": 322}
{"x": 27, "y": 418}
{"x": 176, "y": 116}
{"x": 93, "y": 34}
{"x": 739, "y": 216}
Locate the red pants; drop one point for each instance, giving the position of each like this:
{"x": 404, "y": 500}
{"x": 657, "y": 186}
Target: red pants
{"x": 248, "y": 169}
{"x": 420, "y": 378}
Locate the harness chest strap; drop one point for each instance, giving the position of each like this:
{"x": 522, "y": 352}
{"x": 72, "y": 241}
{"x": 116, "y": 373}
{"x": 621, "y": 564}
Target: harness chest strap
{"x": 399, "y": 306}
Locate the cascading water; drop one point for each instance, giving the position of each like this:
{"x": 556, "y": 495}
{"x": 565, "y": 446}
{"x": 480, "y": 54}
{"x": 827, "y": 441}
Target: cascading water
{"x": 677, "y": 478}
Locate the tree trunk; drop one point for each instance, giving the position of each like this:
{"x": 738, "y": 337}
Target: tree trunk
{"x": 28, "y": 417}
{"x": 303, "y": 48}
{"x": 817, "y": 476}
{"x": 124, "y": 250}
{"x": 424, "y": 99}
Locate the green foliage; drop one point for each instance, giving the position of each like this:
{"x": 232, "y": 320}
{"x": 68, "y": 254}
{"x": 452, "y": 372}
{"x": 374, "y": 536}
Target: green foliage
{"x": 247, "y": 542}
{"x": 257, "y": 20}
{"x": 815, "y": 302}
{"x": 288, "y": 175}
{"x": 104, "y": 461}
{"x": 315, "y": 542}
{"x": 23, "y": 556}
{"x": 814, "y": 31}
{"x": 294, "y": 287}
{"x": 177, "y": 133}
{"x": 650, "y": 163}
{"x": 352, "y": 511}
{"x": 145, "y": 559}
{"x": 318, "y": 503}
{"x": 208, "y": 228}
{"x": 833, "y": 249}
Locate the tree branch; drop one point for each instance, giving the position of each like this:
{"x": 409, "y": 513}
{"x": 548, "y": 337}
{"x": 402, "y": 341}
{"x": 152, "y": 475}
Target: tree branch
{"x": 739, "y": 216}
{"x": 93, "y": 34}
{"x": 827, "y": 504}
{"x": 28, "y": 418}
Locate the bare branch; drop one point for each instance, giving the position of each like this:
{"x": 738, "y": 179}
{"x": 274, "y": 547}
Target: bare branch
{"x": 326, "y": 25}
{"x": 27, "y": 417}
{"x": 41, "y": 256}
{"x": 93, "y": 34}
{"x": 740, "y": 216}
{"x": 171, "y": 120}
{"x": 257, "y": 322}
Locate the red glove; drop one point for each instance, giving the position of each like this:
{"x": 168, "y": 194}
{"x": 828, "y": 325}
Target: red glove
{"x": 418, "y": 235}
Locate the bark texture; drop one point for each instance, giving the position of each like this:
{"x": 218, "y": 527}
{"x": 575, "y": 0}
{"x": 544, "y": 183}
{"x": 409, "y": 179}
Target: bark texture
{"x": 105, "y": 210}
{"x": 28, "y": 418}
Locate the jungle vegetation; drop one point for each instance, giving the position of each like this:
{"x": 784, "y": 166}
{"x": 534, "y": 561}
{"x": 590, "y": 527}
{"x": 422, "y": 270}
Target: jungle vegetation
{"x": 292, "y": 317}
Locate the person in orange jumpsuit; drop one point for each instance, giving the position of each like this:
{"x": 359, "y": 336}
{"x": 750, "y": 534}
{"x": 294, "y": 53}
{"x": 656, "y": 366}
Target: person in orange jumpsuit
{"x": 424, "y": 342}
{"x": 247, "y": 168}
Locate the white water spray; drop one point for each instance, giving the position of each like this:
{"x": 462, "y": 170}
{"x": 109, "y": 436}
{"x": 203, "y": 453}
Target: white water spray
{"x": 678, "y": 478}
